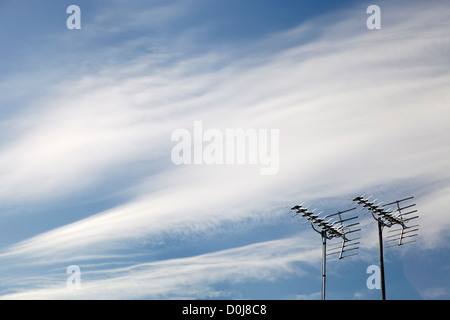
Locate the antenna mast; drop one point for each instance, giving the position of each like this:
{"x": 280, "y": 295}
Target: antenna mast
{"x": 388, "y": 217}
{"x": 333, "y": 226}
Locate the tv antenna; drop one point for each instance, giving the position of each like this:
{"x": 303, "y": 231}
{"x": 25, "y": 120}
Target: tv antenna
{"x": 388, "y": 217}
{"x": 331, "y": 227}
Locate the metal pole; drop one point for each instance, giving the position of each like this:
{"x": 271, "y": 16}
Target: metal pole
{"x": 324, "y": 261}
{"x": 380, "y": 239}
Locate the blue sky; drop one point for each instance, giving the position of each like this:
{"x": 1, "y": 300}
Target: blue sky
{"x": 86, "y": 118}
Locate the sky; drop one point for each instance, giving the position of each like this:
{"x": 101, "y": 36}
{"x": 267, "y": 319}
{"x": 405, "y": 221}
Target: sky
{"x": 87, "y": 118}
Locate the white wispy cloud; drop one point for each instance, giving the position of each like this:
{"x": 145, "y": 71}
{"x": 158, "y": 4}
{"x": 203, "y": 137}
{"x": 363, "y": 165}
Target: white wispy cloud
{"x": 356, "y": 109}
{"x": 190, "y": 277}
{"x": 436, "y": 293}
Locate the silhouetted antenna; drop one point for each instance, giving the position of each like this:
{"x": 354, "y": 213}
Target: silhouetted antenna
{"x": 404, "y": 234}
{"x": 332, "y": 227}
{"x": 347, "y": 245}
{"x": 388, "y": 217}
